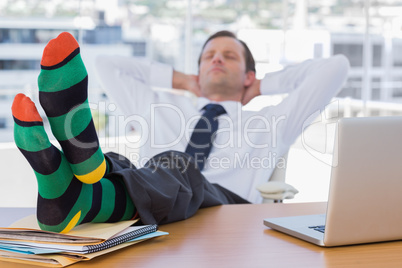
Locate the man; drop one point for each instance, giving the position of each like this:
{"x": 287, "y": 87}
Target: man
{"x": 81, "y": 184}
{"x": 248, "y": 144}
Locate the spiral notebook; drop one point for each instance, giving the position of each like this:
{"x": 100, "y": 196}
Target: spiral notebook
{"x": 27, "y": 229}
{"x": 24, "y": 242}
{"x": 27, "y": 247}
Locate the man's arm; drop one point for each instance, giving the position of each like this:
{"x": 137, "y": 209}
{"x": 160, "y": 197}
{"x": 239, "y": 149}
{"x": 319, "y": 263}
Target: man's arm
{"x": 281, "y": 82}
{"x": 311, "y": 86}
{"x": 304, "y": 76}
{"x": 128, "y": 81}
{"x": 146, "y": 71}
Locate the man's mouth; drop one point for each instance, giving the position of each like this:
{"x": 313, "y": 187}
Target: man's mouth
{"x": 217, "y": 69}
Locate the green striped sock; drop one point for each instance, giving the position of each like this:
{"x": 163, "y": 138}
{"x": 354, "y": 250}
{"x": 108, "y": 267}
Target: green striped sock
{"x": 64, "y": 201}
{"x": 63, "y": 94}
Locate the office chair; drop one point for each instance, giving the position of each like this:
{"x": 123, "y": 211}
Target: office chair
{"x": 275, "y": 190}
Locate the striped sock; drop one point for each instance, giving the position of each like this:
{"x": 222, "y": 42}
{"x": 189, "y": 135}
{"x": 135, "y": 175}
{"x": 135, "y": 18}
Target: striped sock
{"x": 63, "y": 94}
{"x": 64, "y": 201}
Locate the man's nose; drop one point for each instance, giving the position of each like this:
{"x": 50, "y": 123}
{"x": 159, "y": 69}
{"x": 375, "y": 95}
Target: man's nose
{"x": 217, "y": 58}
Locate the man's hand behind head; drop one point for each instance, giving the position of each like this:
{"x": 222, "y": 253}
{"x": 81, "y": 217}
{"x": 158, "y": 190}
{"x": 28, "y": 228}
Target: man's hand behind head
{"x": 193, "y": 85}
{"x": 186, "y": 82}
{"x": 252, "y": 91}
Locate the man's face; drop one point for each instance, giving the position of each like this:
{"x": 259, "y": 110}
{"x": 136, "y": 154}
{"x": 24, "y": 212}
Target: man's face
{"x": 223, "y": 69}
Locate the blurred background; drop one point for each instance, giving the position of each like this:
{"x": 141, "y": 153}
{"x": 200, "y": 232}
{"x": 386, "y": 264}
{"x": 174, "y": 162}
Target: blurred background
{"x": 278, "y": 32}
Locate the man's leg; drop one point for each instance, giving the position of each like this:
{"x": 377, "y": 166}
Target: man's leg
{"x": 169, "y": 187}
{"x": 64, "y": 201}
{"x": 63, "y": 94}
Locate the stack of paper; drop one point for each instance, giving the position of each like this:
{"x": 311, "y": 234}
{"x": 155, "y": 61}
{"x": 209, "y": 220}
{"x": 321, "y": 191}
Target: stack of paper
{"x": 24, "y": 242}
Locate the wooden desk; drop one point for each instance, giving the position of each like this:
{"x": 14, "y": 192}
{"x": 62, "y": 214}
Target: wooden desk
{"x": 234, "y": 236}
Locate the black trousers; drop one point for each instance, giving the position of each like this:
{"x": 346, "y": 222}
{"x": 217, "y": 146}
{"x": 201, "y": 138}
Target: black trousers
{"x": 169, "y": 187}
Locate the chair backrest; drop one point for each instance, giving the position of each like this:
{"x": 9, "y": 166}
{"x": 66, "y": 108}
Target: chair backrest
{"x": 279, "y": 173}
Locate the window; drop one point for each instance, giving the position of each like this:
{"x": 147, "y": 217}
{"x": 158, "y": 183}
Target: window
{"x": 139, "y": 49}
{"x": 19, "y": 64}
{"x": 173, "y": 31}
{"x": 354, "y": 52}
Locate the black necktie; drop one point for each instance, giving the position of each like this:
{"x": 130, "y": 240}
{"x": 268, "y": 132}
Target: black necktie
{"x": 204, "y": 133}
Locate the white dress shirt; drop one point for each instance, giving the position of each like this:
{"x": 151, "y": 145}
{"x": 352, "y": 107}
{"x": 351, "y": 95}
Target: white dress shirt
{"x": 248, "y": 144}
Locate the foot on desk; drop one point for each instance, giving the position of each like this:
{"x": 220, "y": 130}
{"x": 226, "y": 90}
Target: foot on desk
{"x": 63, "y": 200}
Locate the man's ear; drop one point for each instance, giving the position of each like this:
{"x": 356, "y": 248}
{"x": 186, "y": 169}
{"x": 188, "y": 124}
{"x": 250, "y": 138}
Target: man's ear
{"x": 250, "y": 78}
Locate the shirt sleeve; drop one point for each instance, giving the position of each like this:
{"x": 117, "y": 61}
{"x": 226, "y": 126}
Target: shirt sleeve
{"x": 310, "y": 87}
{"x": 128, "y": 81}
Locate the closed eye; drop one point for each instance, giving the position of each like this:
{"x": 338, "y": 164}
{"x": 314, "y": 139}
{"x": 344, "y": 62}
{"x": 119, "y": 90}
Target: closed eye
{"x": 207, "y": 56}
{"x": 231, "y": 55}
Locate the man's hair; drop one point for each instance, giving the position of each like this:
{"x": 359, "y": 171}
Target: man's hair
{"x": 250, "y": 63}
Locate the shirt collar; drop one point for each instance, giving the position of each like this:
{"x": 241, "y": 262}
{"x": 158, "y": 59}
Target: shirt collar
{"x": 231, "y": 107}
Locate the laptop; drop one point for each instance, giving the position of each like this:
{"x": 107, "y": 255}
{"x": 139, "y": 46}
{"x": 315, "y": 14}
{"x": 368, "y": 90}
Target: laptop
{"x": 365, "y": 193}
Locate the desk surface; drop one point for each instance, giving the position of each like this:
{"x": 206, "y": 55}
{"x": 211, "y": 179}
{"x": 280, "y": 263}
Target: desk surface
{"x": 234, "y": 236}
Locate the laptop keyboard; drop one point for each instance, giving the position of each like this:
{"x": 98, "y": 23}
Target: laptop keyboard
{"x": 319, "y": 228}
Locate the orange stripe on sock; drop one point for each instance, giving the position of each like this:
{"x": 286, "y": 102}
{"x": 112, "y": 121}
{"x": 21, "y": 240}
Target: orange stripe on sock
{"x": 24, "y": 109}
{"x": 58, "y": 49}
